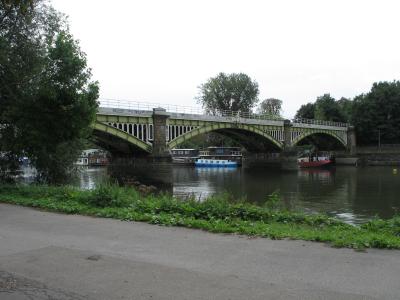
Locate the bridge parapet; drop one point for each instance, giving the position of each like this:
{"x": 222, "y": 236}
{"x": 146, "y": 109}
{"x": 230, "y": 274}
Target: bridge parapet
{"x": 318, "y": 126}
{"x": 239, "y": 118}
{"x": 304, "y": 121}
{"x": 195, "y": 113}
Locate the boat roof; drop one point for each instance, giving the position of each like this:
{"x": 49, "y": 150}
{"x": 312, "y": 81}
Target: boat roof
{"x": 214, "y": 147}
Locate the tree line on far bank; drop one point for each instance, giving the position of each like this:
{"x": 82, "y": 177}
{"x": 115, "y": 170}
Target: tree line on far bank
{"x": 375, "y": 115}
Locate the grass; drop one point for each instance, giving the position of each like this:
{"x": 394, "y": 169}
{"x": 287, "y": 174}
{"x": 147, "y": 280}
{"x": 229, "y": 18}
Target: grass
{"x": 216, "y": 214}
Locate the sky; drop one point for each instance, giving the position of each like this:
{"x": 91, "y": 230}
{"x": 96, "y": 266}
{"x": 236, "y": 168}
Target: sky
{"x": 161, "y": 51}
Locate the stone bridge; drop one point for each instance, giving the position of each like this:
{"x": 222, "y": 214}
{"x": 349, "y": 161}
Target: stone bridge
{"x": 156, "y": 131}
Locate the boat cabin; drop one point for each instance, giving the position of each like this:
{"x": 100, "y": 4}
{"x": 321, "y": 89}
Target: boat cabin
{"x": 185, "y": 153}
{"x": 184, "y": 156}
{"x": 227, "y": 153}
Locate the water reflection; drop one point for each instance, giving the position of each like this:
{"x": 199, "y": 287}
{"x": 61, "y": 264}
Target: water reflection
{"x": 352, "y": 194}
{"x": 202, "y": 182}
{"x": 90, "y": 176}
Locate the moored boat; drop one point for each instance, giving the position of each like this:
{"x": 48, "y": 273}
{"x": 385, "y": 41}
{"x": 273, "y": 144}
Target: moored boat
{"x": 316, "y": 161}
{"x": 184, "y": 156}
{"x": 215, "y": 163}
{"x": 222, "y": 153}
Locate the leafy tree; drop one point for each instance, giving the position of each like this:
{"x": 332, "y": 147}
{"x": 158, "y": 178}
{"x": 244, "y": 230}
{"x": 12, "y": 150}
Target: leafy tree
{"x": 377, "y": 113}
{"x": 326, "y": 108}
{"x": 270, "y": 107}
{"x": 47, "y": 99}
{"x": 20, "y": 59}
{"x": 235, "y": 92}
{"x": 306, "y": 111}
{"x": 346, "y": 107}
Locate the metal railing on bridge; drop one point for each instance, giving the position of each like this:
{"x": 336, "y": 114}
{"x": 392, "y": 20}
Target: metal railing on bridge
{"x": 148, "y": 106}
{"x": 319, "y": 122}
{"x": 178, "y": 109}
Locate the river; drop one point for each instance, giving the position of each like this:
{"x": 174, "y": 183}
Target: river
{"x": 352, "y": 194}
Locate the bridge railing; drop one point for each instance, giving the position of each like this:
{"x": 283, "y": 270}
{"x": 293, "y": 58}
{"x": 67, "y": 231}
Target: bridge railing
{"x": 319, "y": 122}
{"x": 147, "y": 106}
{"x": 244, "y": 115}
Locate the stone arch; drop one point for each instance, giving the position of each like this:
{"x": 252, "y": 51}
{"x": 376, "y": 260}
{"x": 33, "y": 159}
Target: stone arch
{"x": 115, "y": 132}
{"x": 214, "y": 127}
{"x": 326, "y": 132}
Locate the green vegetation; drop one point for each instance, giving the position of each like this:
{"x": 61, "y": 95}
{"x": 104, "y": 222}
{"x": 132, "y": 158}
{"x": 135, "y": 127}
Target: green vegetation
{"x": 47, "y": 98}
{"x": 375, "y": 115}
{"x": 235, "y": 92}
{"x": 216, "y": 214}
{"x": 271, "y": 107}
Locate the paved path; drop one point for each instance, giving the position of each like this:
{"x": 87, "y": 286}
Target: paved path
{"x": 52, "y": 256}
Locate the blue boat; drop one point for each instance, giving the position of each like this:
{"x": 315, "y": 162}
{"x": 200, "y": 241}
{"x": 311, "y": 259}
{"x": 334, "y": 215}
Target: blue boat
{"x": 215, "y": 163}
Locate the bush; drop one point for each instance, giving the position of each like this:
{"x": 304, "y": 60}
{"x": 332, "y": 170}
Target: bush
{"x": 109, "y": 195}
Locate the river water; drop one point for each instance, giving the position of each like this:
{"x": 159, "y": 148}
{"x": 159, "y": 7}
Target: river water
{"x": 352, "y": 194}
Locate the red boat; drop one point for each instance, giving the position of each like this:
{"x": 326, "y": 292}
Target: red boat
{"x": 316, "y": 161}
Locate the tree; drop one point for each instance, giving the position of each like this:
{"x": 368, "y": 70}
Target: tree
{"x": 271, "y": 107}
{"x": 19, "y": 60}
{"x": 235, "y": 92}
{"x": 47, "y": 99}
{"x": 326, "y": 108}
{"x": 377, "y": 114}
{"x": 306, "y": 111}
{"x": 346, "y": 107}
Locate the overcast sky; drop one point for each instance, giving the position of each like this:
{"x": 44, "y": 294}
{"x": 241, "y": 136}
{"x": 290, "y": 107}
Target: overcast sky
{"x": 161, "y": 51}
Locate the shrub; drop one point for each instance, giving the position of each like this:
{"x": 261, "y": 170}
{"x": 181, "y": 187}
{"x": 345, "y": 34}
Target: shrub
{"x": 109, "y": 195}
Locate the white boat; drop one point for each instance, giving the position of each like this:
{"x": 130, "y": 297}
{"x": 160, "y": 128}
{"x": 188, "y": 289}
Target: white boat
{"x": 215, "y": 163}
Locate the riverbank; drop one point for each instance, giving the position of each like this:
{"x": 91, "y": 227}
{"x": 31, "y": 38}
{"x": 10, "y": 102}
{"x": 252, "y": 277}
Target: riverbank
{"x": 216, "y": 214}
{"x": 387, "y": 155}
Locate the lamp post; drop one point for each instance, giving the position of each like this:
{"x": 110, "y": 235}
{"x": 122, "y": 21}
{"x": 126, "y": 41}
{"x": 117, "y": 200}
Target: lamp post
{"x": 379, "y": 140}
{"x": 380, "y": 128}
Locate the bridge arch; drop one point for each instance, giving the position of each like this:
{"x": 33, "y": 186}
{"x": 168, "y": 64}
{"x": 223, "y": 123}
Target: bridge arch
{"x": 220, "y": 126}
{"x": 131, "y": 140}
{"x": 320, "y": 132}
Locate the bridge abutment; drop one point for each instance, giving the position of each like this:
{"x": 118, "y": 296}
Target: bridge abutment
{"x": 160, "y": 148}
{"x": 351, "y": 140}
{"x": 288, "y": 157}
{"x": 287, "y": 141}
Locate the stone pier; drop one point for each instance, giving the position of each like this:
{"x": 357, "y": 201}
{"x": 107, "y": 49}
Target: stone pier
{"x": 160, "y": 147}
